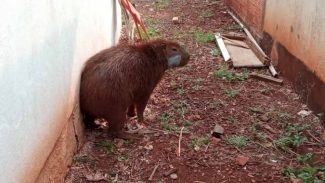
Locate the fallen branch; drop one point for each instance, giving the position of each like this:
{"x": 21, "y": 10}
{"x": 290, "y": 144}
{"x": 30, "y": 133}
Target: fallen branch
{"x": 313, "y": 137}
{"x": 179, "y": 142}
{"x": 153, "y": 172}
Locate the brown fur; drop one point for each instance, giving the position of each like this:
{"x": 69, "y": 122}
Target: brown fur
{"x": 123, "y": 77}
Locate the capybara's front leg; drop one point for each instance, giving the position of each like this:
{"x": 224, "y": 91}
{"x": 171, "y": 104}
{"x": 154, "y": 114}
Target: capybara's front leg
{"x": 116, "y": 122}
{"x": 141, "y": 105}
{"x": 131, "y": 111}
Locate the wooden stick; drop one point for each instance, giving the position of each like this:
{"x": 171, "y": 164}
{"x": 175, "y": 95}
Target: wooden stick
{"x": 235, "y": 43}
{"x": 153, "y": 172}
{"x": 267, "y": 78}
{"x": 179, "y": 142}
{"x": 222, "y": 47}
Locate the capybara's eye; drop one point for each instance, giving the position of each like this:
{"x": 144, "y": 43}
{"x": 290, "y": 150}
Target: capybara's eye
{"x": 174, "y": 49}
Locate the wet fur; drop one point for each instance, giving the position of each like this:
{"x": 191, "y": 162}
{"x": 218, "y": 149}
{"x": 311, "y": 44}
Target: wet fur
{"x": 123, "y": 77}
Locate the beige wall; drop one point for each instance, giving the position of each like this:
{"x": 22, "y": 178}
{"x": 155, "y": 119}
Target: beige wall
{"x": 299, "y": 25}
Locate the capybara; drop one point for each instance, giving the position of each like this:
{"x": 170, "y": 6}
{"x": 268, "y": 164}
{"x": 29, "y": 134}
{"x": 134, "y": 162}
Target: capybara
{"x": 118, "y": 80}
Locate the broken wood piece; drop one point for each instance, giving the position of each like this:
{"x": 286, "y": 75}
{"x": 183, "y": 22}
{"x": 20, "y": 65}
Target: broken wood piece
{"x": 235, "y": 43}
{"x": 273, "y": 71}
{"x": 266, "y": 78}
{"x": 173, "y": 170}
{"x": 222, "y": 47}
{"x": 179, "y": 142}
{"x": 235, "y": 37}
{"x": 153, "y": 172}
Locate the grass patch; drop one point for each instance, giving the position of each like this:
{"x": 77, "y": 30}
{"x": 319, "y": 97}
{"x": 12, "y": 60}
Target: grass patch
{"x": 82, "y": 159}
{"x": 204, "y": 37}
{"x": 206, "y": 14}
{"x": 239, "y": 141}
{"x": 309, "y": 158}
{"x": 293, "y": 137}
{"x": 231, "y": 76}
{"x": 198, "y": 84}
{"x": 232, "y": 119}
{"x": 123, "y": 157}
{"x": 162, "y": 4}
{"x": 199, "y": 141}
{"x": 231, "y": 93}
{"x": 234, "y": 27}
{"x": 108, "y": 145}
{"x": 216, "y": 52}
{"x": 181, "y": 91}
{"x": 309, "y": 174}
{"x": 256, "y": 110}
{"x": 164, "y": 118}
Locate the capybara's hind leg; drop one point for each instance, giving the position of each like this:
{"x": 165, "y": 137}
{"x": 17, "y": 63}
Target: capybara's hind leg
{"x": 116, "y": 124}
{"x": 131, "y": 111}
{"x": 89, "y": 121}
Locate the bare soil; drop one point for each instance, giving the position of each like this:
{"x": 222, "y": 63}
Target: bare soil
{"x": 194, "y": 97}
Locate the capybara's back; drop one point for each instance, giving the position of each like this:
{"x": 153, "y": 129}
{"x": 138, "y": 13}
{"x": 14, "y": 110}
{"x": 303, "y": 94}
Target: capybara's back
{"x": 122, "y": 77}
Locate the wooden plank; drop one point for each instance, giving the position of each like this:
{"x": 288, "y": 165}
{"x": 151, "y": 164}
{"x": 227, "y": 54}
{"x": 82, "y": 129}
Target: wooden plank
{"x": 222, "y": 47}
{"x": 267, "y": 78}
{"x": 241, "y": 56}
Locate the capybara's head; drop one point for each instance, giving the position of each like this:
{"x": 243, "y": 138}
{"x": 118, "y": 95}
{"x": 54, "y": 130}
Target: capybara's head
{"x": 175, "y": 54}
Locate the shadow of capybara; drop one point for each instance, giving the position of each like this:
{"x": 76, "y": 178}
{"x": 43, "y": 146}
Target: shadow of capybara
{"x": 118, "y": 80}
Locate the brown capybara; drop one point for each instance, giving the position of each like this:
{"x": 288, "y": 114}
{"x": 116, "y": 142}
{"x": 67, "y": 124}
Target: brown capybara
{"x": 118, "y": 80}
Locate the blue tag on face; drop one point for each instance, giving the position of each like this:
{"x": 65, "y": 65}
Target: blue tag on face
{"x": 174, "y": 61}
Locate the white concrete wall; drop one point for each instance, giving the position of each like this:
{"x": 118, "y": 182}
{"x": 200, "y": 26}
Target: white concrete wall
{"x": 43, "y": 45}
{"x": 299, "y": 25}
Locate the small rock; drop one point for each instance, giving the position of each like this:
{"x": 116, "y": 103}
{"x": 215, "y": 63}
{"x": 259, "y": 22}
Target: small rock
{"x": 264, "y": 118}
{"x": 175, "y": 20}
{"x": 242, "y": 160}
{"x": 148, "y": 147}
{"x": 218, "y": 130}
{"x": 304, "y": 113}
{"x": 173, "y": 176}
{"x": 151, "y": 9}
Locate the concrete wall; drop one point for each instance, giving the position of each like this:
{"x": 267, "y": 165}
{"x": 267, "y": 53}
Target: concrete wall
{"x": 299, "y": 25}
{"x": 43, "y": 45}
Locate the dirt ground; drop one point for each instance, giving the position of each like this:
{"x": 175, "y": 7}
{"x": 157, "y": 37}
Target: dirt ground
{"x": 264, "y": 140}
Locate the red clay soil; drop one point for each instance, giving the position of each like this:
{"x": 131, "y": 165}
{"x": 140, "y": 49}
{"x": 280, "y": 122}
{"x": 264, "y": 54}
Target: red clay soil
{"x": 260, "y": 119}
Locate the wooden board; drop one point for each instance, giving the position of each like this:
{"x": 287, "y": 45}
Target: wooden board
{"x": 242, "y": 57}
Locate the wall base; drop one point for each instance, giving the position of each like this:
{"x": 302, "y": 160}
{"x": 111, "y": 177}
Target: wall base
{"x": 310, "y": 87}
{"x": 57, "y": 164}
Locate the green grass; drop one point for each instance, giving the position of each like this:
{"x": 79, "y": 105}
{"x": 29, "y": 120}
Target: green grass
{"x": 256, "y": 109}
{"x": 232, "y": 119}
{"x": 231, "y": 93}
{"x": 152, "y": 31}
{"x": 235, "y": 27}
{"x": 206, "y": 14}
{"x": 292, "y": 138}
{"x": 164, "y": 118}
{"x": 162, "y": 4}
{"x": 309, "y": 158}
{"x": 215, "y": 52}
{"x": 82, "y": 159}
{"x": 181, "y": 91}
{"x": 108, "y": 145}
{"x": 265, "y": 91}
{"x": 199, "y": 141}
{"x": 231, "y": 76}
{"x": 239, "y": 141}
{"x": 309, "y": 174}
{"x": 198, "y": 84}
{"x": 123, "y": 157}
{"x": 204, "y": 37}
